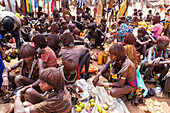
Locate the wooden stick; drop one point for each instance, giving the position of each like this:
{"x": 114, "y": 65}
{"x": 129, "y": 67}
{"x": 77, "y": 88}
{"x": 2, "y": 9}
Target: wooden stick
{"x": 10, "y": 8}
{"x": 48, "y": 10}
{"x": 55, "y": 3}
{"x": 44, "y": 6}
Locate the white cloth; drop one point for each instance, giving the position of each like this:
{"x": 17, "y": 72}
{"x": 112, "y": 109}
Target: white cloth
{"x": 13, "y": 5}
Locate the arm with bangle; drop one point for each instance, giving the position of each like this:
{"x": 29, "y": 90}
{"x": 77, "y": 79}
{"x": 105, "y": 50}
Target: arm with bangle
{"x": 96, "y": 79}
{"x": 8, "y": 69}
{"x": 5, "y": 83}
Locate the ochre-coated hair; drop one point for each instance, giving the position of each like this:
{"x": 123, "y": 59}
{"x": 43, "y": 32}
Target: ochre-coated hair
{"x": 40, "y": 41}
{"x": 117, "y": 50}
{"x": 163, "y": 38}
{"x": 142, "y": 30}
{"x": 76, "y": 31}
{"x": 53, "y": 77}
{"x": 27, "y": 51}
{"x": 66, "y": 38}
{"x": 130, "y": 38}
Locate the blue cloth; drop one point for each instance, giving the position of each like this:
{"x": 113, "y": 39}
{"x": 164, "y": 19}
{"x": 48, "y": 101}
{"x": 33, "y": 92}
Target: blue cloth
{"x": 153, "y": 57}
{"x": 80, "y": 3}
{"x": 2, "y": 67}
{"x": 124, "y": 28}
{"x": 0, "y": 36}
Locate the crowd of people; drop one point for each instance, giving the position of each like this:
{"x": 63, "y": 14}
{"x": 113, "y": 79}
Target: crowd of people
{"x": 38, "y": 40}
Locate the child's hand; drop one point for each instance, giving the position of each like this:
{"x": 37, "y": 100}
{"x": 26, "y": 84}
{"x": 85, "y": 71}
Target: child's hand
{"x": 5, "y": 84}
{"x": 23, "y": 90}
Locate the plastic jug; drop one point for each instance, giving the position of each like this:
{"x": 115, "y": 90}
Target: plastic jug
{"x": 100, "y": 58}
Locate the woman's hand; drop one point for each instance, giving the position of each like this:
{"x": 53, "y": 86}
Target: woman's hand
{"x": 95, "y": 80}
{"x": 5, "y": 84}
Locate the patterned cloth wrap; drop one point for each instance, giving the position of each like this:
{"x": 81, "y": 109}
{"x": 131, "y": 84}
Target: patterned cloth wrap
{"x": 136, "y": 91}
{"x": 124, "y": 28}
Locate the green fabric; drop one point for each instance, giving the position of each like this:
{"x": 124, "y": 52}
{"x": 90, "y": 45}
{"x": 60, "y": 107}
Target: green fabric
{"x": 141, "y": 83}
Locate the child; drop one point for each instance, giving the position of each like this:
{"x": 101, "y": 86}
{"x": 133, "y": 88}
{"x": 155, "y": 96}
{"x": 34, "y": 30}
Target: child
{"x": 143, "y": 42}
{"x": 120, "y": 72}
{"x": 56, "y": 98}
{"x": 31, "y": 66}
{"x": 79, "y": 40}
{"x": 154, "y": 55}
{"x": 45, "y": 53}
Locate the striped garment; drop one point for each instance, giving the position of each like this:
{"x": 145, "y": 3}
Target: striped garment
{"x": 55, "y": 104}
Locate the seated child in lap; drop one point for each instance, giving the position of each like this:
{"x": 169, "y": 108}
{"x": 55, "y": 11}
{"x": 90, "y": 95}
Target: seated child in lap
{"x": 56, "y": 98}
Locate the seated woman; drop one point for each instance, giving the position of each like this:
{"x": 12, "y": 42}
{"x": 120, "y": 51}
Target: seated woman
{"x": 45, "y": 53}
{"x": 56, "y": 98}
{"x": 79, "y": 54}
{"x": 153, "y": 56}
{"x": 143, "y": 41}
{"x": 120, "y": 71}
{"x": 31, "y": 66}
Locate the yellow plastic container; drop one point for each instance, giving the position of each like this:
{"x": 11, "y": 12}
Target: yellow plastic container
{"x": 100, "y": 58}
